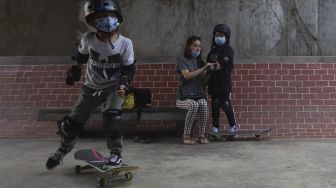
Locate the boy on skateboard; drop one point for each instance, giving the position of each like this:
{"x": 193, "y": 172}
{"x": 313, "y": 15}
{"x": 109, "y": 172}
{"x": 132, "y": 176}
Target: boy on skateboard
{"x": 109, "y": 59}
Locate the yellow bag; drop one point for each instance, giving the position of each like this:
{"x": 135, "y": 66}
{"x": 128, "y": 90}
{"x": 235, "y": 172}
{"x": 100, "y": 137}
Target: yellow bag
{"x": 129, "y": 103}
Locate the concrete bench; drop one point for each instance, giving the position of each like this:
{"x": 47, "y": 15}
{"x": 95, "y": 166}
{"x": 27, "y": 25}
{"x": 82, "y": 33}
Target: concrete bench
{"x": 148, "y": 114}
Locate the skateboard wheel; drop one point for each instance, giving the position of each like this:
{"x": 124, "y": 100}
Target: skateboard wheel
{"x": 101, "y": 182}
{"x": 78, "y": 169}
{"x": 128, "y": 176}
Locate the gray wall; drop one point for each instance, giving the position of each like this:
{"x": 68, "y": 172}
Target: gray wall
{"x": 160, "y": 27}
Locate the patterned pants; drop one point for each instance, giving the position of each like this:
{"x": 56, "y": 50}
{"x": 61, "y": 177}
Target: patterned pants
{"x": 197, "y": 109}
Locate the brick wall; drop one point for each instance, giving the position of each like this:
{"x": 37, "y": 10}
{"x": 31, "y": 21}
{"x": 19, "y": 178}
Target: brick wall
{"x": 297, "y": 100}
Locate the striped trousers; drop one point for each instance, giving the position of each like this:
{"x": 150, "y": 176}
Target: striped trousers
{"x": 197, "y": 110}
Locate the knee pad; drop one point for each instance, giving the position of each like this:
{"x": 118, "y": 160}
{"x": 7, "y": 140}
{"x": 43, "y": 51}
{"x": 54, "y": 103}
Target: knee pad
{"x": 112, "y": 123}
{"x": 112, "y": 114}
{"x": 68, "y": 129}
{"x": 227, "y": 105}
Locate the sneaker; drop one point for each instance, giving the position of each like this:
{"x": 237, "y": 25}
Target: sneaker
{"x": 233, "y": 129}
{"x": 113, "y": 162}
{"x": 54, "y": 160}
{"x": 215, "y": 129}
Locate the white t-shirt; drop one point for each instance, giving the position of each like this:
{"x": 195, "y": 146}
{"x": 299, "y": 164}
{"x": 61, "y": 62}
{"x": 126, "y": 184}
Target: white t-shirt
{"x": 104, "y": 63}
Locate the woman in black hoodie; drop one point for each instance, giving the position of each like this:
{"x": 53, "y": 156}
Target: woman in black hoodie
{"x": 219, "y": 83}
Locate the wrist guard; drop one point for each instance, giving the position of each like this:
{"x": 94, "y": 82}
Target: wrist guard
{"x": 125, "y": 82}
{"x": 73, "y": 75}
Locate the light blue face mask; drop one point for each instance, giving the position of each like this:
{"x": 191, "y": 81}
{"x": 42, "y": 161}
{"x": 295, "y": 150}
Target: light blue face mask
{"x": 107, "y": 24}
{"x": 220, "y": 41}
{"x": 195, "y": 54}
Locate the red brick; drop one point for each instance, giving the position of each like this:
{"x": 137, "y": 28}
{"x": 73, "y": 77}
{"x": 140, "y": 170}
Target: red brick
{"x": 26, "y": 86}
{"x": 275, "y": 66}
{"x": 142, "y": 66}
{"x": 332, "y": 71}
{"x": 50, "y": 68}
{"x": 268, "y": 72}
{"x": 167, "y": 103}
{"x": 36, "y": 80}
{"x": 301, "y": 66}
{"x": 327, "y": 66}
{"x": 328, "y": 77}
{"x": 315, "y": 77}
{"x": 149, "y": 72}
{"x": 146, "y": 84}
{"x": 255, "y": 71}
{"x": 16, "y": 92}
{"x": 168, "y": 78}
{"x": 274, "y": 77}
{"x": 49, "y": 97}
{"x": 152, "y": 78}
{"x": 282, "y": 83}
{"x": 242, "y": 72}
{"x": 21, "y": 98}
{"x": 40, "y": 86}
{"x": 166, "y": 90}
{"x": 172, "y": 72}
{"x": 261, "y": 77}
{"x": 170, "y": 97}
{"x": 302, "y": 90}
{"x": 159, "y": 96}
{"x": 321, "y": 72}
{"x": 254, "y": 83}
{"x": 302, "y": 77}
{"x": 70, "y": 91}
{"x": 328, "y": 89}
{"x": 173, "y": 84}
{"x": 162, "y": 72}
{"x": 248, "y": 66}
{"x": 155, "y": 66}
{"x": 317, "y": 90}
{"x": 287, "y": 66}
{"x": 138, "y": 72}
{"x": 160, "y": 84}
{"x": 169, "y": 66}
{"x": 288, "y": 78}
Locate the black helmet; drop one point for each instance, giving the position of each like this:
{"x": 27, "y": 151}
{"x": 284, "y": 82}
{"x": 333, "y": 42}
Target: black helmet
{"x": 92, "y": 7}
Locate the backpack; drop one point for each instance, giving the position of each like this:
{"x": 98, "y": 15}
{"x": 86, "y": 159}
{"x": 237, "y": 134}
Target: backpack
{"x": 138, "y": 98}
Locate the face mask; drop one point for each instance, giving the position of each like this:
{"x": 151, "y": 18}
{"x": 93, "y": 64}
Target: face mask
{"x": 220, "y": 41}
{"x": 194, "y": 54}
{"x": 107, "y": 24}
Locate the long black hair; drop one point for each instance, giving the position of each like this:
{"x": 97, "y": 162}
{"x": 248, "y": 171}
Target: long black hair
{"x": 187, "y": 51}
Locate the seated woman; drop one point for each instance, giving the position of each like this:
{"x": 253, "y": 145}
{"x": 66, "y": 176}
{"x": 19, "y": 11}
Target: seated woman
{"x": 190, "y": 96}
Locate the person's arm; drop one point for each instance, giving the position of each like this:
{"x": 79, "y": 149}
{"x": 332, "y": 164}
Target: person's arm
{"x": 74, "y": 73}
{"x": 188, "y": 75}
{"x": 127, "y": 69}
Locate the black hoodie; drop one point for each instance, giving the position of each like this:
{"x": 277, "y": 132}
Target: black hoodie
{"x": 220, "y": 81}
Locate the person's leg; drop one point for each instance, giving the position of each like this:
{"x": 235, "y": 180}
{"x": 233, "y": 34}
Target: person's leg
{"x": 113, "y": 128}
{"x": 192, "y": 107}
{"x": 215, "y": 112}
{"x": 226, "y": 105}
{"x": 203, "y": 113}
{"x": 72, "y": 124}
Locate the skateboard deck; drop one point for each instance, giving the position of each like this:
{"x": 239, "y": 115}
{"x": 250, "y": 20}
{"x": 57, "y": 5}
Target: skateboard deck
{"x": 230, "y": 135}
{"x": 95, "y": 160}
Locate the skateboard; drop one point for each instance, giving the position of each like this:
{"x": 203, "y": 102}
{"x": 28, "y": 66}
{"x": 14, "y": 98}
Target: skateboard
{"x": 226, "y": 135}
{"x": 95, "y": 160}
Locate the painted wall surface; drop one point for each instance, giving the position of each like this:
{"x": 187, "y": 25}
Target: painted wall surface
{"x": 159, "y": 28}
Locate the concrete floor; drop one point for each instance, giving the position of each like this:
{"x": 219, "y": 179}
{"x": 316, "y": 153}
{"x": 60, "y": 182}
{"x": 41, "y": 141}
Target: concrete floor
{"x": 239, "y": 164}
